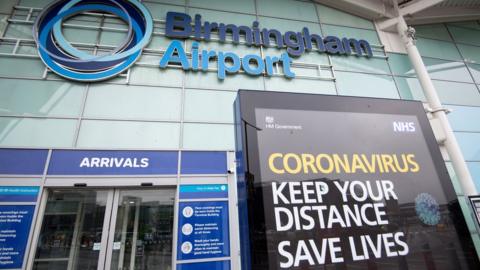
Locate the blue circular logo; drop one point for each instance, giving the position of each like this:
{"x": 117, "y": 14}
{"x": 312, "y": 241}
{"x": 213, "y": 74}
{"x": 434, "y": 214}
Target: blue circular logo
{"x": 69, "y": 62}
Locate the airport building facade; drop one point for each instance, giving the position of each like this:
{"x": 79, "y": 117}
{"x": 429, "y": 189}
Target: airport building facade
{"x": 107, "y": 171}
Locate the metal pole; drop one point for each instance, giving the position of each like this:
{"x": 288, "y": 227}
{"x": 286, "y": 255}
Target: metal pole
{"x": 438, "y": 112}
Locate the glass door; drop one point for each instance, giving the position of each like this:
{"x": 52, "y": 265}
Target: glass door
{"x": 96, "y": 229}
{"x": 142, "y": 236}
{"x": 72, "y": 230}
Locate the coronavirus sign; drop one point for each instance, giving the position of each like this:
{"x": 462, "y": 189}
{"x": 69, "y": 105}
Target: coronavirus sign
{"x": 344, "y": 182}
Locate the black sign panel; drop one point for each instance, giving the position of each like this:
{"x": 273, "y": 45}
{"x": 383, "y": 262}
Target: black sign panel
{"x": 345, "y": 183}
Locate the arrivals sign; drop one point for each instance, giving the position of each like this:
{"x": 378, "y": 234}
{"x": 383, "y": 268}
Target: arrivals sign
{"x": 119, "y": 162}
{"x": 344, "y": 181}
{"x": 110, "y": 162}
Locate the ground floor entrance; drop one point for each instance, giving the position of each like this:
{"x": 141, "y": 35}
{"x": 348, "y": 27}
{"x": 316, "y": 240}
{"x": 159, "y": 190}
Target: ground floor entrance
{"x": 121, "y": 229}
{"x": 118, "y": 209}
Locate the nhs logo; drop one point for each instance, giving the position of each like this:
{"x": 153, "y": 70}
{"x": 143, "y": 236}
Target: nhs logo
{"x": 403, "y": 126}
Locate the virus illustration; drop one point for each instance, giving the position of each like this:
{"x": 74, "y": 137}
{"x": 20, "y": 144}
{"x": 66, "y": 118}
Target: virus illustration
{"x": 427, "y": 208}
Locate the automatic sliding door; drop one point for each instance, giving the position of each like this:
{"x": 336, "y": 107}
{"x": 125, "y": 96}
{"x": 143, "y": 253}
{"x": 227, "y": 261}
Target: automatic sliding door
{"x": 142, "y": 236}
{"x": 71, "y": 232}
{"x": 96, "y": 229}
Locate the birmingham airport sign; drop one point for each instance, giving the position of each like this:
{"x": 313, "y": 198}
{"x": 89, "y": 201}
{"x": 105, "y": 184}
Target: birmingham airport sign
{"x": 69, "y": 62}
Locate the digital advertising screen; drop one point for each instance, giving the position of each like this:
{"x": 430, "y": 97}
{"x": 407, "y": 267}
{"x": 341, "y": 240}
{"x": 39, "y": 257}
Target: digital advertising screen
{"x": 345, "y": 183}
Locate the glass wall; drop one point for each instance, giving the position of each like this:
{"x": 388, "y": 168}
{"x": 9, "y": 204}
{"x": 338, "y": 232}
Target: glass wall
{"x": 168, "y": 109}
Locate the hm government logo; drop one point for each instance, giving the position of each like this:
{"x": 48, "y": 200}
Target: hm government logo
{"x": 70, "y": 62}
{"x": 271, "y": 124}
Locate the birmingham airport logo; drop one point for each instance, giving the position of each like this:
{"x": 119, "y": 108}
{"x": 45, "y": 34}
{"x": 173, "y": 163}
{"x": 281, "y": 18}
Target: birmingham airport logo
{"x": 69, "y": 62}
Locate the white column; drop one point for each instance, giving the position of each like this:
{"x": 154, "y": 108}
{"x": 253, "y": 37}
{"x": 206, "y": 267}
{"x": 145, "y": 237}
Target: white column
{"x": 451, "y": 145}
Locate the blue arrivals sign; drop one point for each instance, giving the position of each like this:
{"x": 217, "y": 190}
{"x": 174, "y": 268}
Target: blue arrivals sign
{"x": 110, "y": 162}
{"x": 15, "y": 222}
{"x": 89, "y": 162}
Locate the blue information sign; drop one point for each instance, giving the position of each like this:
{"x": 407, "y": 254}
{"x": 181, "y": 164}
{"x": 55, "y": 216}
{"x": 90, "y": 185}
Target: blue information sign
{"x": 203, "y": 191}
{"x": 203, "y": 230}
{"x": 89, "y": 162}
{"x": 18, "y": 194}
{"x": 15, "y": 222}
